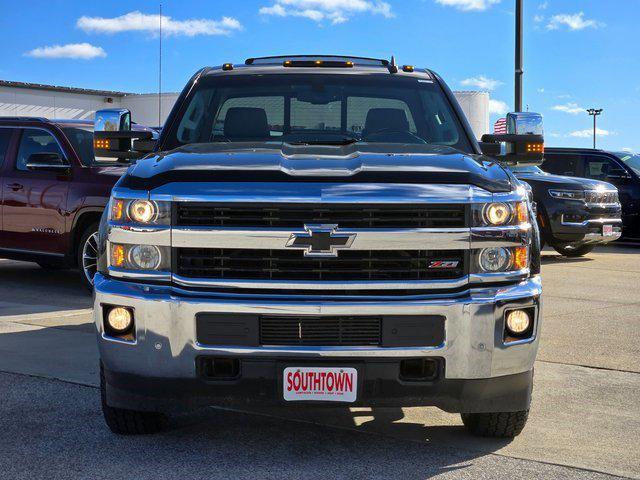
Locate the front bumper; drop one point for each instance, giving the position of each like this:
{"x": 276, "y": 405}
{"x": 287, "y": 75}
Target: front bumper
{"x": 163, "y": 356}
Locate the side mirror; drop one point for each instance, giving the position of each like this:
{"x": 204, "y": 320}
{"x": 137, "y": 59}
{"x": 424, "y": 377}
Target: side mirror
{"x": 113, "y": 137}
{"x": 523, "y": 144}
{"x": 46, "y": 161}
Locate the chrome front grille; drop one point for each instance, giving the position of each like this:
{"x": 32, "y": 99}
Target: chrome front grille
{"x": 297, "y": 215}
{"x": 601, "y": 197}
{"x": 349, "y": 265}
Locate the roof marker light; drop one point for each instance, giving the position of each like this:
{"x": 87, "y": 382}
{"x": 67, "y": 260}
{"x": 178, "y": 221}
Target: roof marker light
{"x": 227, "y": 66}
{"x": 407, "y": 68}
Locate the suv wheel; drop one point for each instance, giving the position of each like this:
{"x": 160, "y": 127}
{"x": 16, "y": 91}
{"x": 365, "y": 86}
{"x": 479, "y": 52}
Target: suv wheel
{"x": 88, "y": 255}
{"x": 498, "y": 424}
{"x": 129, "y": 422}
{"x": 568, "y": 251}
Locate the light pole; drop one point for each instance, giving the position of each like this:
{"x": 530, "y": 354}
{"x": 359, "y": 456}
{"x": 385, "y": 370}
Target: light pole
{"x": 518, "y": 58}
{"x": 594, "y": 112}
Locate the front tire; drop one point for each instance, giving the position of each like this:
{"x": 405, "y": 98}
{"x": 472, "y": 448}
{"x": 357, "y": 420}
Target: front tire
{"x": 129, "y": 422}
{"x": 88, "y": 255}
{"x": 497, "y": 424}
{"x": 573, "y": 252}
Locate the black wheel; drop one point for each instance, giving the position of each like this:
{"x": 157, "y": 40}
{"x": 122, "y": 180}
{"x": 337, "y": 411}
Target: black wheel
{"x": 51, "y": 266}
{"x": 568, "y": 251}
{"x": 498, "y": 424}
{"x": 129, "y": 422}
{"x": 88, "y": 255}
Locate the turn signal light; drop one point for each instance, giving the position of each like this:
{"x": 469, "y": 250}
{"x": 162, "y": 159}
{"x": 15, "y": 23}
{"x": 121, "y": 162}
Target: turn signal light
{"x": 520, "y": 258}
{"x": 117, "y": 255}
{"x": 103, "y": 143}
{"x": 117, "y": 209}
{"x": 522, "y": 213}
{"x": 535, "y": 147}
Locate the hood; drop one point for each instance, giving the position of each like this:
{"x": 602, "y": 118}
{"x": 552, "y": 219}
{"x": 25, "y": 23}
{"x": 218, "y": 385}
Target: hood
{"x": 277, "y": 162}
{"x": 560, "y": 181}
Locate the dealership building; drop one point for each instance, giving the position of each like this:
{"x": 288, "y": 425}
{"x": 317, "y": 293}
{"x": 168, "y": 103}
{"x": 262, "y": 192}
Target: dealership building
{"x": 50, "y": 101}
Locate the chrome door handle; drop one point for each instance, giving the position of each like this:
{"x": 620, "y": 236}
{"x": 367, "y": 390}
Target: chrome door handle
{"x": 15, "y": 186}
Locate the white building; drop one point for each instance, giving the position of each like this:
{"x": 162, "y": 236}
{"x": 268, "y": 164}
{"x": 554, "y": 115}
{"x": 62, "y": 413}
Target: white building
{"x": 36, "y": 100}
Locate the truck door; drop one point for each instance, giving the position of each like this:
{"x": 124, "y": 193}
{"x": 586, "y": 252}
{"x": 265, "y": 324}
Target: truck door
{"x": 34, "y": 201}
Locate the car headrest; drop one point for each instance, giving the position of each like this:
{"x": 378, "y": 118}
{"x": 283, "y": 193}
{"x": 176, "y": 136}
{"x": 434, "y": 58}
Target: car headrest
{"x": 385, "y": 119}
{"x": 245, "y": 123}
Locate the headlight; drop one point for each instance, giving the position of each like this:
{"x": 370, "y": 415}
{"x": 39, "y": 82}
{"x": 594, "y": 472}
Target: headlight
{"x": 139, "y": 211}
{"x": 495, "y": 259}
{"x": 502, "y": 259}
{"x": 145, "y": 257}
{"x": 139, "y": 257}
{"x": 567, "y": 194}
{"x": 499, "y": 214}
{"x": 143, "y": 211}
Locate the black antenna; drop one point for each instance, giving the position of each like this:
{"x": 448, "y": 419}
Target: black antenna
{"x": 393, "y": 68}
{"x": 160, "y": 74}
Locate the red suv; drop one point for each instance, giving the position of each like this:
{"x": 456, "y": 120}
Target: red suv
{"x": 53, "y": 192}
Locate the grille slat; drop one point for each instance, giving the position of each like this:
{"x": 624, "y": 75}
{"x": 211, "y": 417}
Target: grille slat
{"x": 326, "y": 331}
{"x": 296, "y": 216}
{"x": 355, "y": 265}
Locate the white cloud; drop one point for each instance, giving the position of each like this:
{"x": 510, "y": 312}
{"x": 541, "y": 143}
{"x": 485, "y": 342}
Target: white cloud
{"x": 588, "y": 132}
{"x": 481, "y": 82}
{"x": 574, "y": 21}
{"x": 543, "y": 5}
{"x": 334, "y": 11}
{"x": 541, "y": 90}
{"x": 572, "y": 108}
{"x": 538, "y": 18}
{"x": 498, "y": 107}
{"x": 142, "y": 22}
{"x": 82, "y": 51}
{"x": 468, "y": 5}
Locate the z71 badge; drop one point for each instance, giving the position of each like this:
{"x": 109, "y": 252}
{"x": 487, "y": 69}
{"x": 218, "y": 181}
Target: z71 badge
{"x": 443, "y": 264}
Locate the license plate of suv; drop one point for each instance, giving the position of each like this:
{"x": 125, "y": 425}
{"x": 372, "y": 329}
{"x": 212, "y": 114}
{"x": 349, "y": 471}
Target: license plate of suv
{"x": 324, "y": 384}
{"x": 607, "y": 230}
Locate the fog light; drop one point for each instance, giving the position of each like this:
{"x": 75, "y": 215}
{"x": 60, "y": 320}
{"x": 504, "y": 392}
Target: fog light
{"x": 119, "y": 319}
{"x": 518, "y": 322}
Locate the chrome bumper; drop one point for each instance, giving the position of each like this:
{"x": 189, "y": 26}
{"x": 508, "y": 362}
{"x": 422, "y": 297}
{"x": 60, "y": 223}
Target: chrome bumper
{"x": 166, "y": 345}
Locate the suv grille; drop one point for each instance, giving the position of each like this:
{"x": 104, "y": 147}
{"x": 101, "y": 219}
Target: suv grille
{"x": 592, "y": 196}
{"x": 329, "y": 331}
{"x": 356, "y": 265}
{"x": 296, "y": 216}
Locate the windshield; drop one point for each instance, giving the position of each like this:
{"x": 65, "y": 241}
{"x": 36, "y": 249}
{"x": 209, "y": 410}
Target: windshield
{"x": 632, "y": 160}
{"x": 526, "y": 169}
{"x": 317, "y": 109}
{"x": 81, "y": 140}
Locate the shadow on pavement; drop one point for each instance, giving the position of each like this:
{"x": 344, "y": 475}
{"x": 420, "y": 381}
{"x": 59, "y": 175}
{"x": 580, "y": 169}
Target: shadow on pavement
{"x": 54, "y": 430}
{"x": 25, "y": 288}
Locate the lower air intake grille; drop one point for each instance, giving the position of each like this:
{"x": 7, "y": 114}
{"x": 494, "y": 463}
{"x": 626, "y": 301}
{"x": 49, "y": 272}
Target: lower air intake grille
{"x": 326, "y": 331}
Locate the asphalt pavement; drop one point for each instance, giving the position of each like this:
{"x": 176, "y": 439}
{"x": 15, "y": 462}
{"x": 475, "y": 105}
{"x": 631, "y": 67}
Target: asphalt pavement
{"x": 585, "y": 419}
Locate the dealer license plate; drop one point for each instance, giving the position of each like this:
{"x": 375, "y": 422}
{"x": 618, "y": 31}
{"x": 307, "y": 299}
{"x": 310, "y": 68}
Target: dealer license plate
{"x": 325, "y": 384}
{"x": 607, "y": 230}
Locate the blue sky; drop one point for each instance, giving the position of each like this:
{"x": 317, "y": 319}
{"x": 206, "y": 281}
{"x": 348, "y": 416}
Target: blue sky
{"x": 578, "y": 53}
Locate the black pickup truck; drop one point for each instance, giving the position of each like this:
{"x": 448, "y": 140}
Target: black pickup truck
{"x": 318, "y": 230}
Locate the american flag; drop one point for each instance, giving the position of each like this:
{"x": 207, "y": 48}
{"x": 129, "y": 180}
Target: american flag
{"x": 500, "y": 127}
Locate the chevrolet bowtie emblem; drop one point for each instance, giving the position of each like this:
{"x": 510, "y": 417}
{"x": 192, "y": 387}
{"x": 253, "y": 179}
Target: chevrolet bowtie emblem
{"x": 321, "y": 240}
